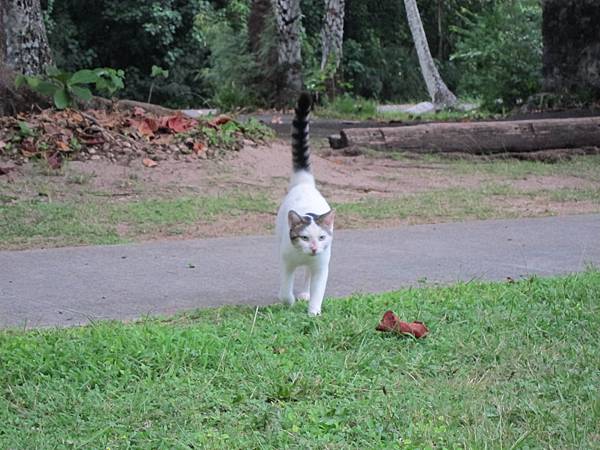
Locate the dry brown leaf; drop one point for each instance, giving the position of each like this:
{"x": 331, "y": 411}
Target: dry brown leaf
{"x": 199, "y": 147}
{"x": 6, "y": 170}
{"x": 149, "y": 162}
{"x": 55, "y": 160}
{"x": 220, "y": 120}
{"x": 147, "y": 126}
{"x": 28, "y": 148}
{"x": 63, "y": 146}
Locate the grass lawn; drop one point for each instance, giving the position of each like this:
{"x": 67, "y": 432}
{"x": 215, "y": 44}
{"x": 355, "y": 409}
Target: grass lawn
{"x": 506, "y": 365}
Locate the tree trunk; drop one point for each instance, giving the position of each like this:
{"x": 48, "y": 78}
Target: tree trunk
{"x": 479, "y": 137}
{"x": 262, "y": 30}
{"x": 332, "y": 33}
{"x": 571, "y": 46}
{"x": 438, "y": 91}
{"x": 23, "y": 49}
{"x": 288, "y": 16}
{"x": 23, "y": 41}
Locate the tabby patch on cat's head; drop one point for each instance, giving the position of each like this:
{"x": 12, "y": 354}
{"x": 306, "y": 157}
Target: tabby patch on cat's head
{"x": 311, "y": 233}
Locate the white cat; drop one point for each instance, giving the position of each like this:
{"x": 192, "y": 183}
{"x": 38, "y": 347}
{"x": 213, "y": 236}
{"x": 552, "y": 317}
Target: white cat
{"x": 304, "y": 223}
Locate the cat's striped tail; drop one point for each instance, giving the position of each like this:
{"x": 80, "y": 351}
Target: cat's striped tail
{"x": 300, "y": 144}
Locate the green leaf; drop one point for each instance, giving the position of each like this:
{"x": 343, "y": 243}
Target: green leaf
{"x": 158, "y": 71}
{"x": 25, "y": 129}
{"x": 45, "y": 88}
{"x": 62, "y": 99}
{"x": 83, "y": 76}
{"x": 20, "y": 80}
{"x": 53, "y": 72}
{"x": 59, "y": 75}
{"x": 83, "y": 93}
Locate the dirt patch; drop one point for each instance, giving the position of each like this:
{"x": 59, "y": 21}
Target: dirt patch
{"x": 407, "y": 190}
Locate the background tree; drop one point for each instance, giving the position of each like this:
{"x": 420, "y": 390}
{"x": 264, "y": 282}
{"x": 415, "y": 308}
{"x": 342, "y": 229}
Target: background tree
{"x": 572, "y": 47}
{"x": 288, "y": 17}
{"x": 23, "y": 49}
{"x": 438, "y": 91}
{"x": 23, "y": 41}
{"x": 332, "y": 33}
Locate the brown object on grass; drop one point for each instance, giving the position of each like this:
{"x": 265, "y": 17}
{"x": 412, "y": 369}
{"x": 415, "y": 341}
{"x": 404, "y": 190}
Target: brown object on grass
{"x": 390, "y": 322}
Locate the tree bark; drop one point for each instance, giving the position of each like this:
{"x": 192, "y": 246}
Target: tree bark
{"x": 440, "y": 95}
{"x": 571, "y": 46}
{"x": 332, "y": 33}
{"x": 288, "y": 17}
{"x": 23, "y": 49}
{"x": 479, "y": 137}
{"x": 23, "y": 41}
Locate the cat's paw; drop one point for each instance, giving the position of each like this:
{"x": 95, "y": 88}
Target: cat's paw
{"x": 303, "y": 296}
{"x": 314, "y": 312}
{"x": 287, "y": 299}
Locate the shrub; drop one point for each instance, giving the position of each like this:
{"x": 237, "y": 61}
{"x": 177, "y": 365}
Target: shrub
{"x": 500, "y": 53}
{"x": 132, "y": 35}
{"x": 65, "y": 87}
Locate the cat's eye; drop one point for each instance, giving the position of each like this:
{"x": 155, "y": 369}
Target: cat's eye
{"x": 322, "y": 238}
{"x": 304, "y": 238}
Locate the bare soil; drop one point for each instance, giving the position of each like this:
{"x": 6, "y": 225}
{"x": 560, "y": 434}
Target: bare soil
{"x": 265, "y": 170}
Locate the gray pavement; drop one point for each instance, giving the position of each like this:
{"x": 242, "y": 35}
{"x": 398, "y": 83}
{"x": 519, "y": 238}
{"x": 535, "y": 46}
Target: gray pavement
{"x": 72, "y": 286}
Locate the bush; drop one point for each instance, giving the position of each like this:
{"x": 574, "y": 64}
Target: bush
{"x": 500, "y": 53}
{"x": 132, "y": 35}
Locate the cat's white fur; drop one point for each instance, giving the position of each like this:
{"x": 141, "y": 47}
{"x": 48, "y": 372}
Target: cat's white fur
{"x": 312, "y": 253}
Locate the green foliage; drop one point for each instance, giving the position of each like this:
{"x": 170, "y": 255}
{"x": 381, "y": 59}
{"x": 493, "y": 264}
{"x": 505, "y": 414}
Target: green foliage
{"x": 159, "y": 72}
{"x": 65, "y": 87}
{"x": 500, "y": 52}
{"x": 205, "y": 47}
{"x": 230, "y": 135}
{"x": 132, "y": 36}
{"x": 109, "y": 80}
{"x": 348, "y": 107}
{"x": 232, "y": 69}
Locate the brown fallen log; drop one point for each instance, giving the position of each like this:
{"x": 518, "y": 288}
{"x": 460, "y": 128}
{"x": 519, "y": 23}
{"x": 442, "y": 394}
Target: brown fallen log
{"x": 479, "y": 137}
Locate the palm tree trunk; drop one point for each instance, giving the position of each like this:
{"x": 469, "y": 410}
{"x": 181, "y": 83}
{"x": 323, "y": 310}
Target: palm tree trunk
{"x": 440, "y": 95}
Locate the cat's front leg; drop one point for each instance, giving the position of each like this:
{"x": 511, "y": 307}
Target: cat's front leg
{"x": 318, "y": 282}
{"x": 286, "y": 289}
{"x": 305, "y": 292}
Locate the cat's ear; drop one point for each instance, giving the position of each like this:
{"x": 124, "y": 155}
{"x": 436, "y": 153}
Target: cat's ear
{"x": 326, "y": 220}
{"x": 294, "y": 219}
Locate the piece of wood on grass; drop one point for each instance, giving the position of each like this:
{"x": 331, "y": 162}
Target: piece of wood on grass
{"x": 479, "y": 137}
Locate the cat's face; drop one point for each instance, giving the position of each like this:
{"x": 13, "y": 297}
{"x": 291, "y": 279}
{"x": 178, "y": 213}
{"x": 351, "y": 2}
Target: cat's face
{"x": 311, "y": 234}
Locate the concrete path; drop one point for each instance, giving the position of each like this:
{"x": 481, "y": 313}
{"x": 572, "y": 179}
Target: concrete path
{"x": 74, "y": 285}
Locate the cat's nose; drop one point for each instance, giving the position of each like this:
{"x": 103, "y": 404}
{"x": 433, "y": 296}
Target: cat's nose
{"x": 313, "y": 250}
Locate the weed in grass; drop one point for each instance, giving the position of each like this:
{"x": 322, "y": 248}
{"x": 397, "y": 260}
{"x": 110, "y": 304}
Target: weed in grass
{"x": 79, "y": 178}
{"x": 505, "y": 364}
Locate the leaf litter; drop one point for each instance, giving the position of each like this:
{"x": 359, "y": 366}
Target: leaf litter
{"x": 55, "y": 136}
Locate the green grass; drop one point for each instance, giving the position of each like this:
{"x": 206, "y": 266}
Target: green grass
{"x": 485, "y": 202}
{"x": 29, "y": 223}
{"x": 34, "y": 223}
{"x": 345, "y": 107}
{"x": 586, "y": 168}
{"x": 505, "y": 366}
